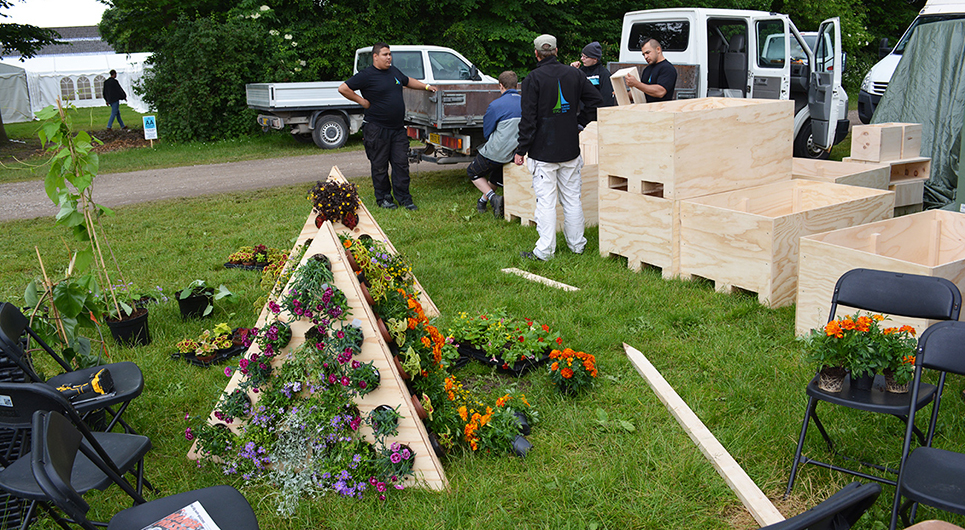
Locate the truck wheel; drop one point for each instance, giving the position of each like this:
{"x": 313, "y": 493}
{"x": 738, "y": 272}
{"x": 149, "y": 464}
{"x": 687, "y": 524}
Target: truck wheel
{"x": 804, "y": 145}
{"x": 330, "y": 132}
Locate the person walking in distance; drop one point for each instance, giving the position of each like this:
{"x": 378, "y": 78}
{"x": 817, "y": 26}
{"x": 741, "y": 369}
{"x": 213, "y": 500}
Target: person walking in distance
{"x": 557, "y": 101}
{"x": 383, "y": 128}
{"x": 113, "y": 94}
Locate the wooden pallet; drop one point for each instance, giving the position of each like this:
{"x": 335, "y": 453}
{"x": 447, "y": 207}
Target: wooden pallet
{"x": 930, "y": 243}
{"x": 520, "y": 200}
{"x": 748, "y": 238}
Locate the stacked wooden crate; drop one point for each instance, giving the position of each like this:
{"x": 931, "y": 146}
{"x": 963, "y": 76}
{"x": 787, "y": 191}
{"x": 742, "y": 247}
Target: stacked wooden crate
{"x": 655, "y": 155}
{"x": 876, "y": 176}
{"x": 930, "y": 243}
{"x": 703, "y": 188}
{"x": 897, "y": 145}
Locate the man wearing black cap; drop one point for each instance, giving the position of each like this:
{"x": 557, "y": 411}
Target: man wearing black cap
{"x": 594, "y": 70}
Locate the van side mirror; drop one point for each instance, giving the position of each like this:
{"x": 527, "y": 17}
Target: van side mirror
{"x": 884, "y": 48}
{"x": 474, "y": 73}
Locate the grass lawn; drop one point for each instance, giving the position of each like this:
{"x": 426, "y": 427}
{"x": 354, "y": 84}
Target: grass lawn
{"x": 733, "y": 361}
{"x": 272, "y": 144}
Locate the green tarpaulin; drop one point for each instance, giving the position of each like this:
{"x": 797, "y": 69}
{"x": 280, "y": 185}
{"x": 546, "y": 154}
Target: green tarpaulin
{"x": 928, "y": 87}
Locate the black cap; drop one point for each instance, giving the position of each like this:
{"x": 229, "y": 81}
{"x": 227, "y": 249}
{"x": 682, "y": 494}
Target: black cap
{"x": 593, "y": 50}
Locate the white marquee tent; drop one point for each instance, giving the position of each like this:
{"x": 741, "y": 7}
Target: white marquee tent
{"x": 79, "y": 78}
{"x": 14, "y": 99}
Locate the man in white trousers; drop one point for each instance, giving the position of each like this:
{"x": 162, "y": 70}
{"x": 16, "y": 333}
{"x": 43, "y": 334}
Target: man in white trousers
{"x": 549, "y": 132}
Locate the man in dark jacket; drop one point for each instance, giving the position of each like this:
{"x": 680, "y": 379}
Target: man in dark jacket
{"x": 113, "y": 94}
{"x": 557, "y": 101}
{"x": 592, "y": 67}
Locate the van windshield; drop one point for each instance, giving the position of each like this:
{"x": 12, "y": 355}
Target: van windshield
{"x": 922, "y": 20}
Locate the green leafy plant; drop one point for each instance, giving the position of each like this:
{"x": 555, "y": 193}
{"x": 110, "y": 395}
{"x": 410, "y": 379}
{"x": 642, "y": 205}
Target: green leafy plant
{"x": 859, "y": 343}
{"x": 200, "y": 288}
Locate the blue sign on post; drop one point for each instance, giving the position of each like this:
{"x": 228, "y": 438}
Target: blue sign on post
{"x": 150, "y": 128}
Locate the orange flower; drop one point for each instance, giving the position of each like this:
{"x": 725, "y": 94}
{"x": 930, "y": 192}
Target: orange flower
{"x": 546, "y": 328}
{"x": 864, "y": 324}
{"x": 502, "y": 401}
{"x": 347, "y": 243}
{"x": 833, "y": 329}
{"x": 555, "y": 367}
{"x": 559, "y": 340}
{"x": 908, "y": 359}
{"x": 463, "y": 413}
{"x": 847, "y": 323}
{"x": 908, "y": 329}
{"x": 566, "y": 373}
{"x": 554, "y": 354}
{"x": 878, "y": 318}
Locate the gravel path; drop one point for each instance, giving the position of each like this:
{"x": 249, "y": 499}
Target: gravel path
{"x": 27, "y": 200}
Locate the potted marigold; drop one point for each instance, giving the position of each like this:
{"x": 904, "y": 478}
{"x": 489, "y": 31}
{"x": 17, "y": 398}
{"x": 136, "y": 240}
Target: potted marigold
{"x": 572, "y": 371}
{"x": 858, "y": 345}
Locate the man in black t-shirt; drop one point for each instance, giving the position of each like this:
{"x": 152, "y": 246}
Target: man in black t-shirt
{"x": 659, "y": 77}
{"x": 383, "y": 130}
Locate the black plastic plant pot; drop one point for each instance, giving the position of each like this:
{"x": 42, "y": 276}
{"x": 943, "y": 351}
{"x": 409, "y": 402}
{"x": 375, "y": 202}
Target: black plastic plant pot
{"x": 521, "y": 445}
{"x": 524, "y": 427}
{"x": 133, "y": 331}
{"x": 194, "y": 306}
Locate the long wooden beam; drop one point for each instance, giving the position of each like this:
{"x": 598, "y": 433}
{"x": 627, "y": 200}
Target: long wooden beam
{"x": 750, "y": 495}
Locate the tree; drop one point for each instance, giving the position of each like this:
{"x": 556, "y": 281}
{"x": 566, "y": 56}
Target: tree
{"x": 25, "y": 40}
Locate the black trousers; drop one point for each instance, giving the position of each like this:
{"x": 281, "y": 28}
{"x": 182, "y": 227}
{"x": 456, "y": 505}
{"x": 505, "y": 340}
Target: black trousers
{"x": 384, "y": 146}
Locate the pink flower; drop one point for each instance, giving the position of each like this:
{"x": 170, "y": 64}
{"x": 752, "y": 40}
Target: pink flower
{"x": 227, "y": 371}
{"x": 380, "y": 487}
{"x": 188, "y": 434}
{"x": 345, "y": 380}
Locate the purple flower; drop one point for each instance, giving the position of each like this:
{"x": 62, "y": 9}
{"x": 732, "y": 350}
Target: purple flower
{"x": 363, "y": 384}
{"x": 227, "y": 371}
{"x": 395, "y": 458}
{"x": 243, "y": 363}
{"x": 332, "y": 378}
{"x": 341, "y": 334}
{"x": 380, "y": 486}
{"x": 356, "y": 364}
{"x": 274, "y": 308}
{"x": 405, "y": 454}
{"x": 188, "y": 434}
{"x": 345, "y": 380}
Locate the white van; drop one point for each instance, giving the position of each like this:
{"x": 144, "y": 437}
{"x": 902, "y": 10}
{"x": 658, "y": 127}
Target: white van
{"x": 876, "y": 81}
{"x": 751, "y": 54}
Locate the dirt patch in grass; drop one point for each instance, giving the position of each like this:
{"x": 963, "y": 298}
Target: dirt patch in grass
{"x": 16, "y": 149}
{"x": 740, "y": 519}
{"x": 119, "y": 139}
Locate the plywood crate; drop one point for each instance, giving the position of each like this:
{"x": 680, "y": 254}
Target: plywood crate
{"x": 620, "y": 89}
{"x": 590, "y": 144}
{"x": 908, "y": 178}
{"x": 749, "y": 238}
{"x": 930, "y": 243}
{"x": 876, "y": 176}
{"x": 878, "y": 142}
{"x": 520, "y": 200}
{"x": 697, "y": 147}
{"x": 637, "y": 226}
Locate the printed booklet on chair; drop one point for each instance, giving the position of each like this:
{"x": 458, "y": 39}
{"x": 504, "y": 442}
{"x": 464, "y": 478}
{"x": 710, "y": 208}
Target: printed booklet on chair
{"x": 191, "y": 517}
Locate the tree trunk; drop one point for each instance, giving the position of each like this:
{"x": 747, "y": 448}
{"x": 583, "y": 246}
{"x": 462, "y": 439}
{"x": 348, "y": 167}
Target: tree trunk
{"x": 3, "y": 133}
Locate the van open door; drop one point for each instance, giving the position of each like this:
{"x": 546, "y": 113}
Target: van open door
{"x": 770, "y": 66}
{"x": 825, "y": 93}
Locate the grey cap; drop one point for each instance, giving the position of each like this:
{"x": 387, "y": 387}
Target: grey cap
{"x": 546, "y": 43}
{"x": 593, "y": 50}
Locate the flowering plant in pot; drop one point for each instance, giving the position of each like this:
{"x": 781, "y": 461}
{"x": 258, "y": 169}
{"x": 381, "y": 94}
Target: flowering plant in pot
{"x": 384, "y": 421}
{"x": 572, "y": 371}
{"x": 898, "y": 345}
{"x": 859, "y": 344}
{"x": 507, "y": 341}
{"x": 234, "y": 404}
{"x": 271, "y": 337}
{"x": 205, "y": 346}
{"x": 335, "y": 201}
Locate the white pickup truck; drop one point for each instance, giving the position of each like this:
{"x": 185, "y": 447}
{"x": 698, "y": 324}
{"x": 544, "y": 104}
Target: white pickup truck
{"x": 449, "y": 121}
{"x": 751, "y": 54}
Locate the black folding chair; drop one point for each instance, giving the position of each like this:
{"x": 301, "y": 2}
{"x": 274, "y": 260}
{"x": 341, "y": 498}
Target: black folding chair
{"x": 56, "y": 444}
{"x": 105, "y": 457}
{"x": 890, "y": 293}
{"x": 933, "y": 476}
{"x": 128, "y": 379}
{"x": 839, "y": 512}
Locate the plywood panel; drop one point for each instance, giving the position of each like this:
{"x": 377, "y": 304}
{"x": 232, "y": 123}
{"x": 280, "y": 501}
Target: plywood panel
{"x": 638, "y": 227}
{"x": 930, "y": 243}
{"x": 590, "y": 144}
{"x": 697, "y": 147}
{"x": 908, "y": 192}
{"x": 876, "y": 176}
{"x": 368, "y": 225}
{"x": 749, "y": 238}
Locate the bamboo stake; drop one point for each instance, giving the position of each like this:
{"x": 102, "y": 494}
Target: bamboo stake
{"x": 49, "y": 288}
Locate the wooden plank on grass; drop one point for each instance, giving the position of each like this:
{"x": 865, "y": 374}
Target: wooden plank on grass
{"x": 539, "y": 279}
{"x": 753, "y": 498}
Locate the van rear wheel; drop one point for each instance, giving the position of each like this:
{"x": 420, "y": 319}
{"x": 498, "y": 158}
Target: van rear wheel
{"x": 330, "y": 132}
{"x": 804, "y": 144}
